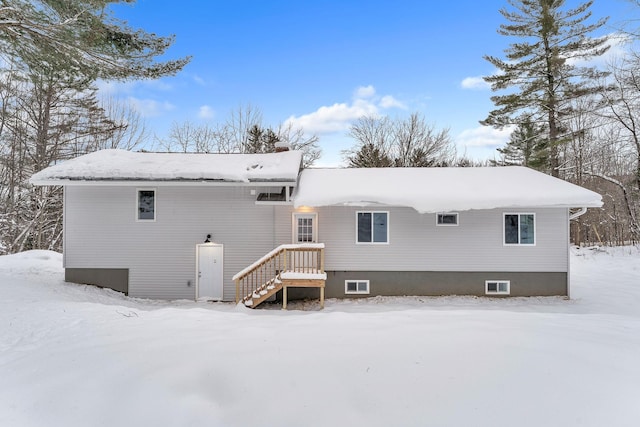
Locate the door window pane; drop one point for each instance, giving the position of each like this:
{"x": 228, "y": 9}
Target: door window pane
{"x": 304, "y": 231}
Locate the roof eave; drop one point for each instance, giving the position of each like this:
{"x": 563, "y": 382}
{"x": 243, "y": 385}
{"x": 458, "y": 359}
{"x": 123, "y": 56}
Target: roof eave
{"x": 365, "y": 204}
{"x": 160, "y": 183}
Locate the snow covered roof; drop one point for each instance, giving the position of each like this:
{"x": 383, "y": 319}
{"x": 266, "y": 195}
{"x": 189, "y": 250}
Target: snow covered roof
{"x": 122, "y": 165}
{"x": 440, "y": 189}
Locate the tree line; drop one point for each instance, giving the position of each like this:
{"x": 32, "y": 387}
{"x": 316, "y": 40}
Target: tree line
{"x": 571, "y": 119}
{"x": 52, "y": 53}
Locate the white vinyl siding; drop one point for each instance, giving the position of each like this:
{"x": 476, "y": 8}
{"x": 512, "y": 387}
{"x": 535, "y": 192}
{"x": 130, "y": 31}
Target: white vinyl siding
{"x": 417, "y": 244}
{"x": 161, "y": 255}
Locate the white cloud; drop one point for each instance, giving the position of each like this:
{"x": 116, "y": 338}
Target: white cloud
{"x": 150, "y": 107}
{"x": 476, "y": 82}
{"x": 389, "y": 101}
{"x": 206, "y": 112}
{"x": 484, "y": 136}
{"x": 334, "y": 118}
{"x": 339, "y": 116}
{"x": 364, "y": 92}
{"x": 199, "y": 80}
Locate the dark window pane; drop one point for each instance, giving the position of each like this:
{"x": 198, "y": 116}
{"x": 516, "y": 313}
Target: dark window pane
{"x": 352, "y": 286}
{"x": 492, "y": 287}
{"x": 364, "y": 227}
{"x": 146, "y": 204}
{"x": 380, "y": 227}
{"x": 447, "y": 219}
{"x": 527, "y": 229}
{"x": 511, "y": 229}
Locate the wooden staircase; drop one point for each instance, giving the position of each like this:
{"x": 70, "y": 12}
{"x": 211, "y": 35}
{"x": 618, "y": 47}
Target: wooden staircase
{"x": 296, "y": 265}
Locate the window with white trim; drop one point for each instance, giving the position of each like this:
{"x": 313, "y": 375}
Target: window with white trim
{"x": 356, "y": 286}
{"x": 146, "y": 205}
{"x": 519, "y": 229}
{"x": 305, "y": 227}
{"x": 497, "y": 287}
{"x": 447, "y": 218}
{"x": 372, "y": 227}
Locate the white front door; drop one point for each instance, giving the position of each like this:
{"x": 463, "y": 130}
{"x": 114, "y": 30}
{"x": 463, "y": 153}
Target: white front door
{"x": 209, "y": 271}
{"x": 305, "y": 228}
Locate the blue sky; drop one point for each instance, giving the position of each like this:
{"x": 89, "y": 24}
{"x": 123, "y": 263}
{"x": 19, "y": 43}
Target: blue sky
{"x": 323, "y": 64}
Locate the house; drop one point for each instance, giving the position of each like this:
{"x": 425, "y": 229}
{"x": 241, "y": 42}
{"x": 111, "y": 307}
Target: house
{"x": 244, "y": 226}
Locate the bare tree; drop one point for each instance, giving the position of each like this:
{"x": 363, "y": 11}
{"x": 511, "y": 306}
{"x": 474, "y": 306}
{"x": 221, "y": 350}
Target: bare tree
{"x": 47, "y": 117}
{"x": 237, "y": 127}
{"x": 298, "y": 140}
{"x": 242, "y": 132}
{"x": 130, "y": 130}
{"x": 410, "y": 142}
{"x": 185, "y": 137}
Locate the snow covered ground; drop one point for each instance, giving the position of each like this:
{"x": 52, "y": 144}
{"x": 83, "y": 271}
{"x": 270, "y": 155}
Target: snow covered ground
{"x": 75, "y": 355}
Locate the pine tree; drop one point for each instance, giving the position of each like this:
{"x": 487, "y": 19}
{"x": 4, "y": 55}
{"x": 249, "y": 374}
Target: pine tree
{"x": 541, "y": 68}
{"x": 260, "y": 140}
{"x": 526, "y": 147}
{"x": 369, "y": 156}
{"x": 82, "y": 37}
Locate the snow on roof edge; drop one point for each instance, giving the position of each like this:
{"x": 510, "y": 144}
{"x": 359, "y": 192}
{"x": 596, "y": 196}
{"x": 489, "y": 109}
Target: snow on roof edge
{"x": 430, "y": 190}
{"x": 122, "y": 165}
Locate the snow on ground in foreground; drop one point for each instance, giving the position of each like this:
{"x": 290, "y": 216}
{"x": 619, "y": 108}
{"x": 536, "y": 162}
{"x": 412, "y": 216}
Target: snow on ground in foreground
{"x": 74, "y": 355}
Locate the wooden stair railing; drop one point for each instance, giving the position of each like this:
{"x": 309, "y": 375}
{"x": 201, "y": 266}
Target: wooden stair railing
{"x": 262, "y": 279}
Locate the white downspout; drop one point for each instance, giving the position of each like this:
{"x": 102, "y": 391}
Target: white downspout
{"x": 581, "y": 212}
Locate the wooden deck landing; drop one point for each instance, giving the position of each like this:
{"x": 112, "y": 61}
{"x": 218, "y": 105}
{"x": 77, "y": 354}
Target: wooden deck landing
{"x": 287, "y": 266}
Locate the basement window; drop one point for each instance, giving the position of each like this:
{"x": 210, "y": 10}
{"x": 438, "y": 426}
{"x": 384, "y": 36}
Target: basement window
{"x": 497, "y": 287}
{"x": 447, "y": 218}
{"x": 356, "y": 286}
